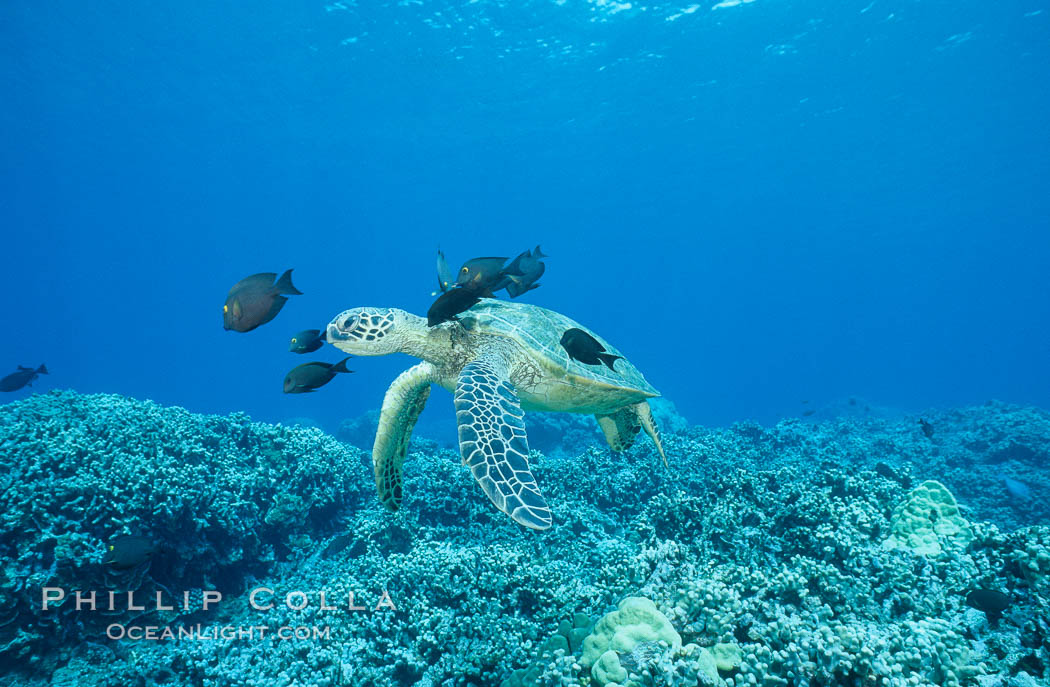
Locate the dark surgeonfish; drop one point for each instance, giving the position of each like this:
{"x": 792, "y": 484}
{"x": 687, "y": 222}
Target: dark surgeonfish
{"x": 523, "y": 273}
{"x": 927, "y": 428}
{"x": 583, "y": 347}
{"x": 483, "y": 276}
{"x": 24, "y": 376}
{"x": 310, "y": 377}
{"x": 990, "y": 601}
{"x": 451, "y": 303}
{"x": 307, "y": 341}
{"x": 256, "y": 300}
{"x": 129, "y": 551}
{"x": 445, "y": 279}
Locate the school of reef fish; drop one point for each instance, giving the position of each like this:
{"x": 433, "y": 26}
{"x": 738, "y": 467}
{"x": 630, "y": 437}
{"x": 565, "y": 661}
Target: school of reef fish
{"x": 856, "y": 547}
{"x": 259, "y": 298}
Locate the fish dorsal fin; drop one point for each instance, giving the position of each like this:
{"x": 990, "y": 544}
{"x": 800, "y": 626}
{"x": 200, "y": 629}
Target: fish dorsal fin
{"x": 262, "y": 280}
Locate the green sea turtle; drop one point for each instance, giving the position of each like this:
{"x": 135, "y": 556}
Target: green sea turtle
{"x": 498, "y": 359}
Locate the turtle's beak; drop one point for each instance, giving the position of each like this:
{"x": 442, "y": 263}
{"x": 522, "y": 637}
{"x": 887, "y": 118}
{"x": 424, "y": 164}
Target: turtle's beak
{"x": 339, "y": 329}
{"x": 334, "y": 333}
{"x": 363, "y": 331}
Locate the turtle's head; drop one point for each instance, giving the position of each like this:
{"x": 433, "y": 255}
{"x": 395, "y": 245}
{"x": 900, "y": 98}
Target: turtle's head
{"x": 375, "y": 331}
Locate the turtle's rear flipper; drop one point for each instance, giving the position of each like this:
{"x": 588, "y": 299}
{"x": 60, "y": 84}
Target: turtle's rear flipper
{"x": 645, "y": 416}
{"x": 493, "y": 444}
{"x": 620, "y": 428}
{"x": 402, "y": 405}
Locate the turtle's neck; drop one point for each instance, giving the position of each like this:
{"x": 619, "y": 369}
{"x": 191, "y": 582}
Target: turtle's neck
{"x": 423, "y": 342}
{"x": 438, "y": 345}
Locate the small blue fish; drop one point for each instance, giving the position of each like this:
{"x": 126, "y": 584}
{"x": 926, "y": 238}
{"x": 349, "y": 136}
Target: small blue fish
{"x": 307, "y": 341}
{"x": 129, "y": 551}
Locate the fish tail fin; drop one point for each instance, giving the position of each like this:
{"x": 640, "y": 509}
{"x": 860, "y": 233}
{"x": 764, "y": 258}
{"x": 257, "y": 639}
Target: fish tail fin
{"x": 538, "y": 253}
{"x": 517, "y": 288}
{"x": 42, "y": 369}
{"x": 284, "y": 285}
{"x": 341, "y": 366}
{"x": 609, "y": 359}
{"x": 513, "y": 286}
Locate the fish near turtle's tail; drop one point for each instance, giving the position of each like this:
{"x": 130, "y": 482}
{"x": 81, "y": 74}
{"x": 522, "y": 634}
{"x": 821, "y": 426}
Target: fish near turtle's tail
{"x": 609, "y": 359}
{"x": 341, "y": 366}
{"x": 42, "y": 370}
{"x": 284, "y": 285}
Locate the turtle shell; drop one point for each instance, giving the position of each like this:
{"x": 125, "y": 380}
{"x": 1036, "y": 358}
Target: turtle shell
{"x": 539, "y": 332}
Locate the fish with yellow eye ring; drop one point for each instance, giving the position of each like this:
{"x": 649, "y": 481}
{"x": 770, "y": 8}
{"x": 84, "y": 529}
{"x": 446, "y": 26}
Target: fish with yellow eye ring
{"x": 255, "y": 300}
{"x": 307, "y": 341}
{"x": 483, "y": 276}
{"x": 129, "y": 551}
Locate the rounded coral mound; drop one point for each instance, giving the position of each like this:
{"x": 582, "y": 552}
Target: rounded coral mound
{"x": 929, "y": 522}
{"x": 636, "y": 621}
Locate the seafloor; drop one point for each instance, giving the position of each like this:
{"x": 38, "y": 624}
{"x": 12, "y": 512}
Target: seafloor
{"x": 810, "y": 553}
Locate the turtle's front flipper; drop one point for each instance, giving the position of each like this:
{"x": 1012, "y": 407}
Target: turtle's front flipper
{"x": 402, "y": 405}
{"x": 493, "y": 444}
{"x": 620, "y": 428}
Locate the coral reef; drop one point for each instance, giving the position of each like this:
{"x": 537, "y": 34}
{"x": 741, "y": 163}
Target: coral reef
{"x": 794, "y": 555}
{"x": 221, "y": 497}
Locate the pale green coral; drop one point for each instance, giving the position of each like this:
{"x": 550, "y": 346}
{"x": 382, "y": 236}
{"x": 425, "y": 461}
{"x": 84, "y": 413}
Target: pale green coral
{"x": 727, "y": 656}
{"x": 607, "y": 669}
{"x": 636, "y": 621}
{"x": 928, "y": 522}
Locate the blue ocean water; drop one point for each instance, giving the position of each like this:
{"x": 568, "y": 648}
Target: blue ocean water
{"x": 759, "y": 202}
{"x": 821, "y": 230}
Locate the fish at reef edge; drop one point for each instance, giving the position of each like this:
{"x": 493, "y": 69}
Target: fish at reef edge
{"x": 24, "y": 376}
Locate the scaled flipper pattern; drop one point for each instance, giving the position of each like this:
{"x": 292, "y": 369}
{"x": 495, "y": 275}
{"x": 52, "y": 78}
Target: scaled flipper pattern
{"x": 620, "y": 428}
{"x": 645, "y": 417}
{"x": 493, "y": 443}
{"x": 402, "y": 405}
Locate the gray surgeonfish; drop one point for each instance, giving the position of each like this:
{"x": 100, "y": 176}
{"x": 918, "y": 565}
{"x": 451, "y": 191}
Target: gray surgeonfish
{"x": 256, "y": 300}
{"x": 451, "y": 303}
{"x": 483, "y": 276}
{"x": 307, "y": 341}
{"x": 310, "y": 377}
{"x": 24, "y": 376}
{"x": 523, "y": 273}
{"x": 129, "y": 551}
{"x": 585, "y": 348}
